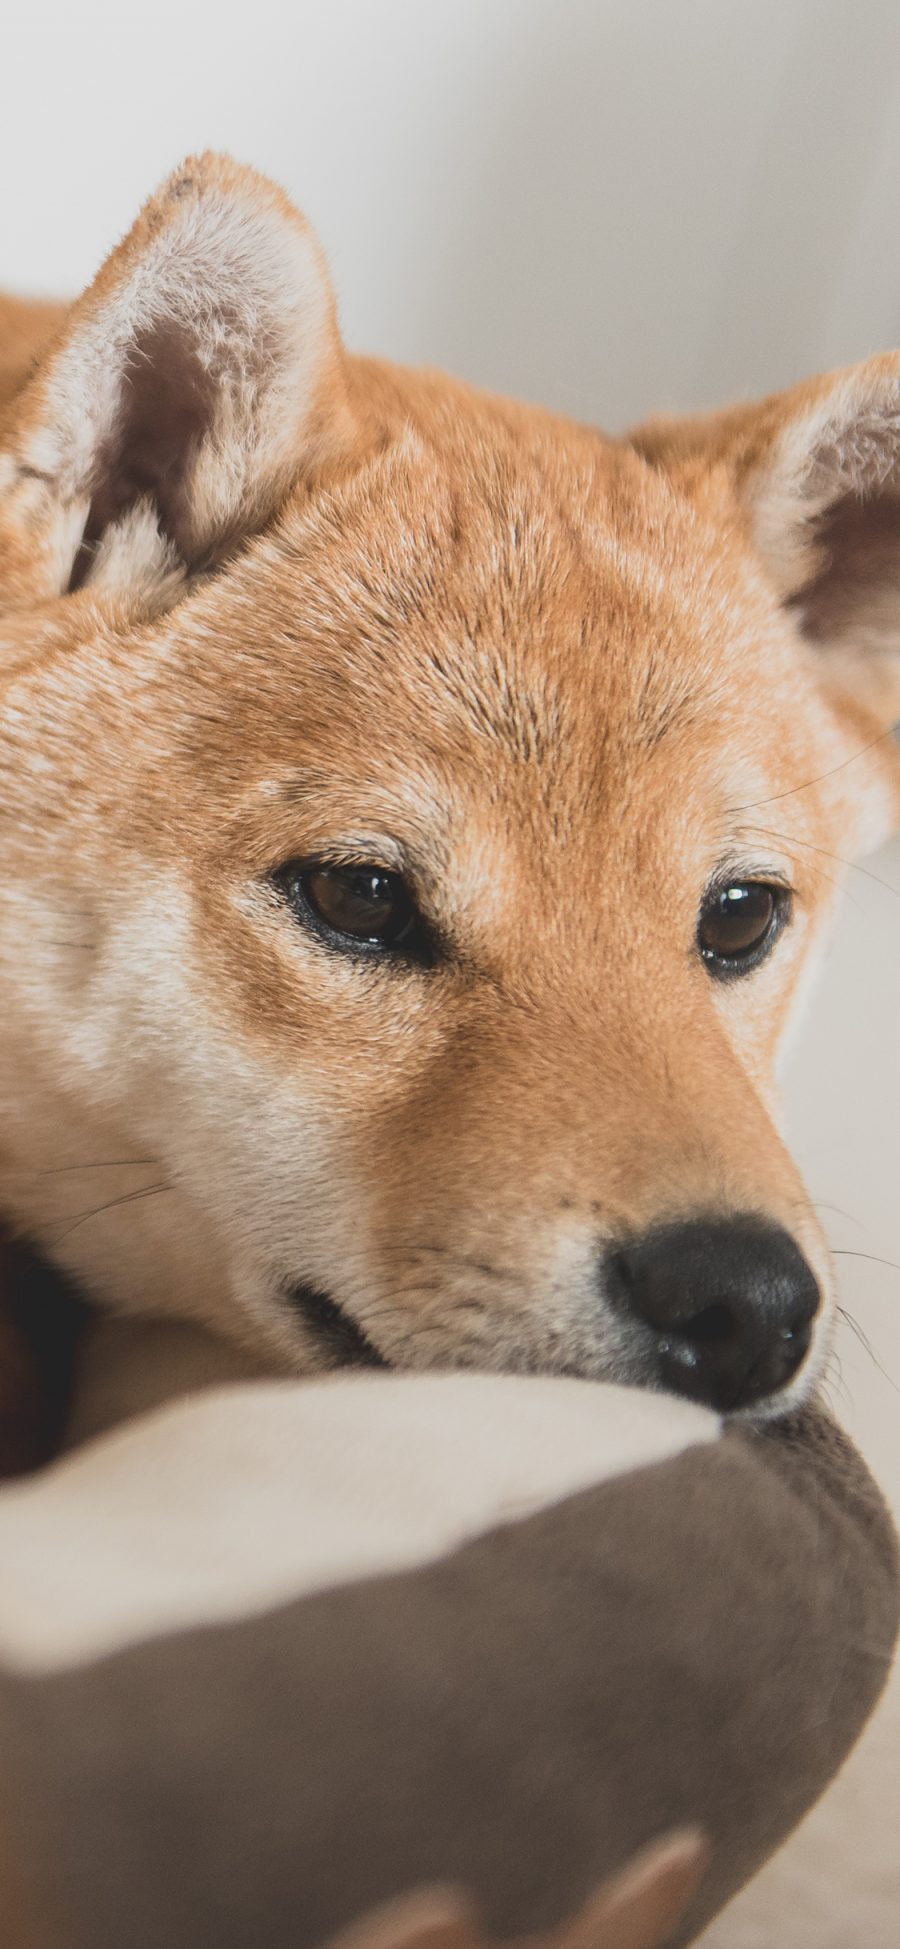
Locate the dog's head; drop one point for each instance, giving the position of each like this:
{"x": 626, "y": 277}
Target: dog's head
{"x": 422, "y": 817}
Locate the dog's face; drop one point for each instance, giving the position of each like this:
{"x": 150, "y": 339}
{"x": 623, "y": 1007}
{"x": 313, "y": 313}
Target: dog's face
{"x": 425, "y": 889}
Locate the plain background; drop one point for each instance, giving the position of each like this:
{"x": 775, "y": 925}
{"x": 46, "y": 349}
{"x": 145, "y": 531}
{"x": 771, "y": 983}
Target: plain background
{"x": 611, "y": 206}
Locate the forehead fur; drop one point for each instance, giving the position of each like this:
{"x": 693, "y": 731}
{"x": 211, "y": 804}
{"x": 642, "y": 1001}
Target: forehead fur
{"x": 488, "y": 577}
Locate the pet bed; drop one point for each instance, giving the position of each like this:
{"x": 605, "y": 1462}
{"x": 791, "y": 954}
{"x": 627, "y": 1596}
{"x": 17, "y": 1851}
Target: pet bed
{"x": 275, "y": 1655}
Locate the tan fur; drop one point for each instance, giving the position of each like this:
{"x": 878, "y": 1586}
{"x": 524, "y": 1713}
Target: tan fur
{"x": 562, "y": 678}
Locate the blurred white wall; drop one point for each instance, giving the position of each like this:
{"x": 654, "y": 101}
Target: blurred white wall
{"x": 608, "y": 205}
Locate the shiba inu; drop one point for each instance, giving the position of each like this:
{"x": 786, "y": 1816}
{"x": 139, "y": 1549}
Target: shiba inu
{"x": 420, "y": 818}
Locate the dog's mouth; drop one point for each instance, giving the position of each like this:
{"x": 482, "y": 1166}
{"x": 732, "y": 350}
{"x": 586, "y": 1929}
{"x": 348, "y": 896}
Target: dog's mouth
{"x": 336, "y": 1331}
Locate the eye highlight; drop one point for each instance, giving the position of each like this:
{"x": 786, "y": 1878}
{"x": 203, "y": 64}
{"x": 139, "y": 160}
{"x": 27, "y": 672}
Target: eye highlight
{"x": 739, "y": 924}
{"x": 363, "y": 906}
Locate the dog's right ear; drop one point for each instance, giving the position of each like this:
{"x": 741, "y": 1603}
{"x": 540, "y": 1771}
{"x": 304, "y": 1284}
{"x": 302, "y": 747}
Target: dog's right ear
{"x": 198, "y": 376}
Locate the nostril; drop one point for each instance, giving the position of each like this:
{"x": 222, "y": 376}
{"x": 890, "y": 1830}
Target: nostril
{"x": 712, "y": 1325}
{"x": 797, "y": 1337}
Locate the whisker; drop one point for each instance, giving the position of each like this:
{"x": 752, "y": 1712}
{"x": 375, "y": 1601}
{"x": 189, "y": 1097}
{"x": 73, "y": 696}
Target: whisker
{"x": 789, "y": 839}
{"x": 834, "y": 1383}
{"x": 851, "y": 865}
{"x": 104, "y": 1164}
{"x": 851, "y": 897}
{"x": 865, "y": 1342}
{"x": 854, "y": 758}
{"x": 818, "y": 1204}
{"x": 130, "y": 1197}
{"x": 845, "y": 1252}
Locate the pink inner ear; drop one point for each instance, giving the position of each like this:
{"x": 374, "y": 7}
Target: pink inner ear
{"x": 855, "y": 594}
{"x": 167, "y": 404}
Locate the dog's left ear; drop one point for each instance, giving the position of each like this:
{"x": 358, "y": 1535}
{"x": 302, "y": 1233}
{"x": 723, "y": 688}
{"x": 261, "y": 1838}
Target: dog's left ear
{"x": 815, "y": 474}
{"x": 198, "y": 376}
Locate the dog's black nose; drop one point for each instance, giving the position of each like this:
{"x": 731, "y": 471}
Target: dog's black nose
{"x": 729, "y": 1304}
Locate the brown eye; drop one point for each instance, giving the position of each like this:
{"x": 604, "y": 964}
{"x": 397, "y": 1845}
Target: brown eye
{"x": 362, "y": 904}
{"x": 738, "y": 924}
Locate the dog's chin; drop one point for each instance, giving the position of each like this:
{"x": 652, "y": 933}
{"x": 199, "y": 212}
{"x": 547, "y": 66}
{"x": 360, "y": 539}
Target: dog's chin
{"x": 337, "y": 1336}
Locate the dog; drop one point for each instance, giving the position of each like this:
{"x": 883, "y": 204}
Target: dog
{"x": 422, "y": 817}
